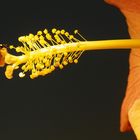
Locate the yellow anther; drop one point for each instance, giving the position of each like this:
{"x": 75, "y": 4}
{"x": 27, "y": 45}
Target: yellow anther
{"x": 61, "y": 66}
{"x": 63, "y": 32}
{"x": 23, "y": 67}
{"x": 33, "y": 70}
{"x": 44, "y": 60}
{"x": 39, "y": 66}
{"x": 11, "y": 47}
{"x": 27, "y": 39}
{"x": 36, "y": 37}
{"x": 31, "y": 36}
{"x": 44, "y": 72}
{"x": 49, "y": 70}
{"x": 56, "y": 36}
{"x": 21, "y": 74}
{"x": 47, "y": 64}
{"x": 58, "y": 40}
{"x": 21, "y": 39}
{"x": 16, "y": 67}
{"x": 53, "y": 30}
{"x": 57, "y": 59}
{"x": 58, "y": 32}
{"x": 48, "y": 36}
{"x": 45, "y": 31}
{"x": 41, "y": 37}
{"x": 41, "y": 73}
{"x": 76, "y": 31}
{"x": 56, "y": 64}
{"x": 52, "y": 68}
{"x": 71, "y": 37}
{"x": 39, "y": 33}
{"x": 29, "y": 43}
{"x": 70, "y": 59}
{"x": 31, "y": 76}
{"x": 42, "y": 42}
{"x": 65, "y": 63}
{"x": 34, "y": 75}
{"x": 75, "y": 61}
{"x": 26, "y": 69}
{"x": 63, "y": 42}
{"x": 65, "y": 53}
{"x": 18, "y": 49}
{"x": 66, "y": 34}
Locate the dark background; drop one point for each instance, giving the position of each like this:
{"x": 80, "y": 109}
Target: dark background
{"x": 81, "y": 102}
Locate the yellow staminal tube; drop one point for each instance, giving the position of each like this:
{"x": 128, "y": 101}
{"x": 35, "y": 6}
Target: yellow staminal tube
{"x": 44, "y": 52}
{"x": 62, "y": 49}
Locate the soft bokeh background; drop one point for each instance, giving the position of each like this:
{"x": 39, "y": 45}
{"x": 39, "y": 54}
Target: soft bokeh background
{"x": 81, "y": 102}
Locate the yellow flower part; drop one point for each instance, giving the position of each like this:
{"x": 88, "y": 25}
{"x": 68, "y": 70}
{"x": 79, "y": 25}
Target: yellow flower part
{"x": 45, "y": 51}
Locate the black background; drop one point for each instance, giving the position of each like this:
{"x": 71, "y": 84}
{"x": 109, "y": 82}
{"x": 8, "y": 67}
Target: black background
{"x": 81, "y": 102}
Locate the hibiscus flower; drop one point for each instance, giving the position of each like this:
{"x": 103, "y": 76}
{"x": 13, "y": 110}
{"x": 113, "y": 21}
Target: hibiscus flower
{"x": 130, "y": 110}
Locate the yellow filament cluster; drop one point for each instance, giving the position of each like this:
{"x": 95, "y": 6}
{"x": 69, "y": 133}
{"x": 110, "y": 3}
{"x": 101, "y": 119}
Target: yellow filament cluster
{"x": 39, "y": 54}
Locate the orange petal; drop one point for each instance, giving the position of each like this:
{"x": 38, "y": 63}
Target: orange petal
{"x": 131, "y": 10}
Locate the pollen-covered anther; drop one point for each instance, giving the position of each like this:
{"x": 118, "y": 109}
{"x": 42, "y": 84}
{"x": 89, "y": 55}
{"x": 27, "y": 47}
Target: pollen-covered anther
{"x": 39, "y": 33}
{"x": 36, "y": 37}
{"x": 76, "y": 31}
{"x": 66, "y": 34}
{"x": 62, "y": 31}
{"x": 54, "y": 30}
{"x": 31, "y": 36}
{"x": 42, "y": 42}
{"x": 75, "y": 61}
{"x": 49, "y": 37}
{"x": 11, "y": 47}
{"x": 56, "y": 64}
{"x": 65, "y": 62}
{"x": 58, "y": 32}
{"x": 70, "y": 59}
{"x": 34, "y": 75}
{"x": 41, "y": 37}
{"x": 45, "y": 31}
{"x": 57, "y": 38}
{"x": 61, "y": 66}
{"x": 47, "y": 64}
{"x": 18, "y": 49}
{"x": 63, "y": 42}
{"x": 44, "y": 72}
{"x": 52, "y": 68}
{"x": 71, "y": 37}
{"x": 23, "y": 67}
{"x": 39, "y": 66}
{"x": 27, "y": 39}
{"x": 22, "y": 39}
{"x": 65, "y": 53}
{"x": 57, "y": 58}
